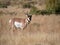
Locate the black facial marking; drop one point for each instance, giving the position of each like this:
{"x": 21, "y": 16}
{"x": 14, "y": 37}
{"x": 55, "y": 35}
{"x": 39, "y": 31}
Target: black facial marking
{"x": 30, "y": 17}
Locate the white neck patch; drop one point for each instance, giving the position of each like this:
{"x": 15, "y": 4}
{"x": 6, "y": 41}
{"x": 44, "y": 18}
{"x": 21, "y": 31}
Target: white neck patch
{"x": 27, "y": 20}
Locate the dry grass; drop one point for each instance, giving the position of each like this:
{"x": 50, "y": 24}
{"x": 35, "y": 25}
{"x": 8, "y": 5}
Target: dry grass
{"x": 43, "y": 30}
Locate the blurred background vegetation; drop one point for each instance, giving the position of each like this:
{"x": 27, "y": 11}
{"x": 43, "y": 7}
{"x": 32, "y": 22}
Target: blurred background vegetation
{"x": 51, "y": 6}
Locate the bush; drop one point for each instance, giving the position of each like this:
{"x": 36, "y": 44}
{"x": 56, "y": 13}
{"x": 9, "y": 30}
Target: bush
{"x": 57, "y": 8}
{"x": 4, "y": 3}
{"x": 50, "y": 5}
{"x": 45, "y": 12}
{"x": 53, "y": 6}
{"x": 49, "y": 11}
{"x": 3, "y": 6}
{"x": 57, "y": 11}
{"x": 35, "y": 11}
{"x": 38, "y": 12}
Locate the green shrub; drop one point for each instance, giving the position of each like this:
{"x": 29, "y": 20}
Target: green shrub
{"x": 57, "y": 11}
{"x": 38, "y": 12}
{"x": 4, "y": 3}
{"x": 57, "y": 8}
{"x": 45, "y": 12}
{"x": 50, "y": 5}
{"x": 33, "y": 10}
{"x": 53, "y": 6}
{"x": 49, "y": 11}
{"x": 3, "y": 6}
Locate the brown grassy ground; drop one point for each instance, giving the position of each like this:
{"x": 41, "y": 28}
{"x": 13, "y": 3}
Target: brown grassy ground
{"x": 43, "y": 30}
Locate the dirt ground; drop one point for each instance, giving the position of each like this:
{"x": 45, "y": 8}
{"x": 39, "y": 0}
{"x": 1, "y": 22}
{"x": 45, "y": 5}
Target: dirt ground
{"x": 43, "y": 30}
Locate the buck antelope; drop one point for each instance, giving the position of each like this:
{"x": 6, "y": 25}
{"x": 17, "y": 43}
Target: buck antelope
{"x": 20, "y": 22}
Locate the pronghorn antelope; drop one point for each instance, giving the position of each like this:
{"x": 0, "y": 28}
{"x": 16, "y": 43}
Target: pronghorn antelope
{"x": 20, "y": 22}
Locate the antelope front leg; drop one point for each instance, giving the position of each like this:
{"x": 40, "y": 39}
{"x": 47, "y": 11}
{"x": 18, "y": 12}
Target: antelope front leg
{"x": 12, "y": 28}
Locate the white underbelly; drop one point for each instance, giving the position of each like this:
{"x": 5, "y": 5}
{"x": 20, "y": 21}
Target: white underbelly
{"x": 18, "y": 24}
